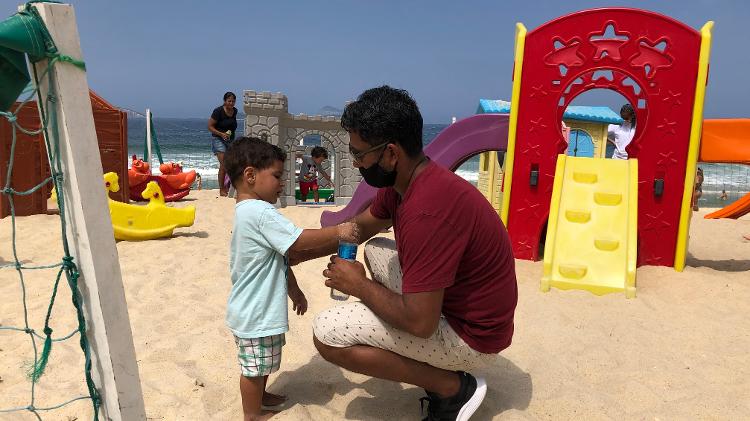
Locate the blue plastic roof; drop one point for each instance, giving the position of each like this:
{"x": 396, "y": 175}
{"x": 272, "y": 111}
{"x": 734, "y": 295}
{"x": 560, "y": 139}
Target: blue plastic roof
{"x": 573, "y": 112}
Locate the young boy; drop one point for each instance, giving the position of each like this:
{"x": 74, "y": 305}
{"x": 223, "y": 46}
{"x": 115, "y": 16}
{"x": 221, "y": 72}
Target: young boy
{"x": 261, "y": 277}
{"x": 308, "y": 172}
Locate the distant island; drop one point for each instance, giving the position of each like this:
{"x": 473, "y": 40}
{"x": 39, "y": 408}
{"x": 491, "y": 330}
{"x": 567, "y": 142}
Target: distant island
{"x": 330, "y": 111}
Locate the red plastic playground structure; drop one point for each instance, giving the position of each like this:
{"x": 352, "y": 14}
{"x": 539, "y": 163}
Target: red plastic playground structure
{"x": 660, "y": 66}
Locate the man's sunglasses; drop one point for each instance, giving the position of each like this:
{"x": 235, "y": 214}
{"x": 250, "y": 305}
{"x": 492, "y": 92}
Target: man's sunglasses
{"x": 357, "y": 156}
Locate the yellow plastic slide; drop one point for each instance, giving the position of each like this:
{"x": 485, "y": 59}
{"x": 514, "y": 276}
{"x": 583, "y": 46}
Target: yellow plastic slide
{"x": 592, "y": 231}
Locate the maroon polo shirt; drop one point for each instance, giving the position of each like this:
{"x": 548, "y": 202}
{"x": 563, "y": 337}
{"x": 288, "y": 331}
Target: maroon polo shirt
{"x": 449, "y": 237}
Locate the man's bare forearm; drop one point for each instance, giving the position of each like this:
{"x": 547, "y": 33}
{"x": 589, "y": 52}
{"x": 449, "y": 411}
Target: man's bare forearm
{"x": 387, "y": 305}
{"x": 417, "y": 314}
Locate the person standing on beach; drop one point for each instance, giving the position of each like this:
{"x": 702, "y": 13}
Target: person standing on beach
{"x": 308, "y": 172}
{"x": 223, "y": 125}
{"x": 698, "y": 189}
{"x": 261, "y": 277}
{"x": 442, "y": 297}
{"x": 621, "y": 135}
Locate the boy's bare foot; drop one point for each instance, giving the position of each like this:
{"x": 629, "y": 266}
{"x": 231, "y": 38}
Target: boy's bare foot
{"x": 223, "y": 193}
{"x": 264, "y": 415}
{"x": 272, "y": 399}
{"x": 746, "y": 237}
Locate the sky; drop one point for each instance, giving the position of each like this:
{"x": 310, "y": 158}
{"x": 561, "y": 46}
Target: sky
{"x": 179, "y": 57}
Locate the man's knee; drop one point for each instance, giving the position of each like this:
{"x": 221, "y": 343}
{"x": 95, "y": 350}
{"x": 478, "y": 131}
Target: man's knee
{"x": 380, "y": 243}
{"x": 323, "y": 349}
{"x": 330, "y": 353}
{"x": 324, "y": 329}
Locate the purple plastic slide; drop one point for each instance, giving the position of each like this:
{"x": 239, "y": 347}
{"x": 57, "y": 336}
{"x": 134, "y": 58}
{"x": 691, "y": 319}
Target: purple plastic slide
{"x": 454, "y": 145}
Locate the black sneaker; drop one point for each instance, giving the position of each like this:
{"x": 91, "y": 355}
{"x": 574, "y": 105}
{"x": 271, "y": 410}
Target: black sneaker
{"x": 459, "y": 407}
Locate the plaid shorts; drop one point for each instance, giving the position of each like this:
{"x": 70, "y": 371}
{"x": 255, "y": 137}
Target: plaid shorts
{"x": 260, "y": 356}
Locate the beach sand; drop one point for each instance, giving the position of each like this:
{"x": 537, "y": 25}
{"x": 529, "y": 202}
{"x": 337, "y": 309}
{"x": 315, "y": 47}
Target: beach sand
{"x": 677, "y": 351}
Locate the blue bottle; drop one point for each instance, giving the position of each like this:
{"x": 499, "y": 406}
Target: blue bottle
{"x": 347, "y": 251}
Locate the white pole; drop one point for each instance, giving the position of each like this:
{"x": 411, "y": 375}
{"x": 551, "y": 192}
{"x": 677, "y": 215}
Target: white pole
{"x": 147, "y": 158}
{"x": 114, "y": 371}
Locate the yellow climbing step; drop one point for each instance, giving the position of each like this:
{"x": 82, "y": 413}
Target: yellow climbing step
{"x": 592, "y": 230}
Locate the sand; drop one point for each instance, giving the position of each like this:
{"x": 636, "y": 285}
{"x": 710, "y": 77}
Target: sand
{"x": 677, "y": 351}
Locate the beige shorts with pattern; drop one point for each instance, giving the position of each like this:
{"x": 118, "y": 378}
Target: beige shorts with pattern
{"x": 355, "y": 324}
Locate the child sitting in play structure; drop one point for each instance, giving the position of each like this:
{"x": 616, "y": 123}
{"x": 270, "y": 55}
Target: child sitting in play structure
{"x": 260, "y": 273}
{"x": 621, "y": 135}
{"x": 308, "y": 172}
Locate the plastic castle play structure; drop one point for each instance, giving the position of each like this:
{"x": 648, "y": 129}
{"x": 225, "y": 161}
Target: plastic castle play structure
{"x": 267, "y": 116}
{"x": 597, "y": 219}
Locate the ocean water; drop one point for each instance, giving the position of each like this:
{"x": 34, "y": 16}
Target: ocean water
{"x": 187, "y": 140}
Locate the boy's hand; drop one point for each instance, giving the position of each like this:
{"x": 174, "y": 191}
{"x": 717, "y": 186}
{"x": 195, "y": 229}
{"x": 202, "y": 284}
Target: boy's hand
{"x": 348, "y": 231}
{"x": 299, "y": 301}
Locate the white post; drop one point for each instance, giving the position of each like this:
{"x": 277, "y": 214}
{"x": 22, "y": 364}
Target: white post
{"x": 147, "y": 158}
{"x": 115, "y": 371}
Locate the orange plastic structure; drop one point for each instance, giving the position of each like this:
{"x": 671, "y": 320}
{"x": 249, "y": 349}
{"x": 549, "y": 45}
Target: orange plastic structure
{"x": 734, "y": 210}
{"x": 174, "y": 183}
{"x": 727, "y": 141}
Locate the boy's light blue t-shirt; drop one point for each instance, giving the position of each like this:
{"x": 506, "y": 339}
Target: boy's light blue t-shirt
{"x": 257, "y": 304}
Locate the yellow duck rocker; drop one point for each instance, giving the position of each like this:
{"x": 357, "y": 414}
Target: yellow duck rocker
{"x": 154, "y": 220}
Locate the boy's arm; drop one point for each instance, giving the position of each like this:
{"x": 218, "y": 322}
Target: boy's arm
{"x": 291, "y": 280}
{"x": 314, "y": 243}
{"x": 299, "y": 301}
{"x": 325, "y": 175}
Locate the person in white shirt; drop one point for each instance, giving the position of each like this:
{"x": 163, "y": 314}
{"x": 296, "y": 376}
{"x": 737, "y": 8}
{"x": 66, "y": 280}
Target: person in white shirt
{"x": 621, "y": 135}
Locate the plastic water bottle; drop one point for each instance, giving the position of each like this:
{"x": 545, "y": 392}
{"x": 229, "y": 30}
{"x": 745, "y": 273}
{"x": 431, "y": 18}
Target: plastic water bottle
{"x": 347, "y": 251}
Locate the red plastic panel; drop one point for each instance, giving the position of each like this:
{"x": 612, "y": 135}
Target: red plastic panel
{"x": 650, "y": 59}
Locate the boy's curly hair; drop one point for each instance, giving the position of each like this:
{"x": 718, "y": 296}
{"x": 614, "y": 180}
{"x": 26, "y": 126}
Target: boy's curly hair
{"x": 319, "y": 151}
{"x": 250, "y": 152}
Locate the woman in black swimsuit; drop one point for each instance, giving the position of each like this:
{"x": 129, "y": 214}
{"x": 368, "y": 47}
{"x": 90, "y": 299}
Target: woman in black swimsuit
{"x": 223, "y": 126}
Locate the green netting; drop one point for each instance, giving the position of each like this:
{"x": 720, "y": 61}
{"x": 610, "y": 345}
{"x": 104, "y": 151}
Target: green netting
{"x": 21, "y": 35}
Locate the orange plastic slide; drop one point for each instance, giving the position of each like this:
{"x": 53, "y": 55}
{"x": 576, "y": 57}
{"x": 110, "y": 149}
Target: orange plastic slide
{"x": 727, "y": 141}
{"x": 734, "y": 210}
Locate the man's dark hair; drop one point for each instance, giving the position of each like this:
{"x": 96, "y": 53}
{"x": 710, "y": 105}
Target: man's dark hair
{"x": 250, "y": 152}
{"x": 319, "y": 151}
{"x": 385, "y": 115}
{"x": 228, "y": 95}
